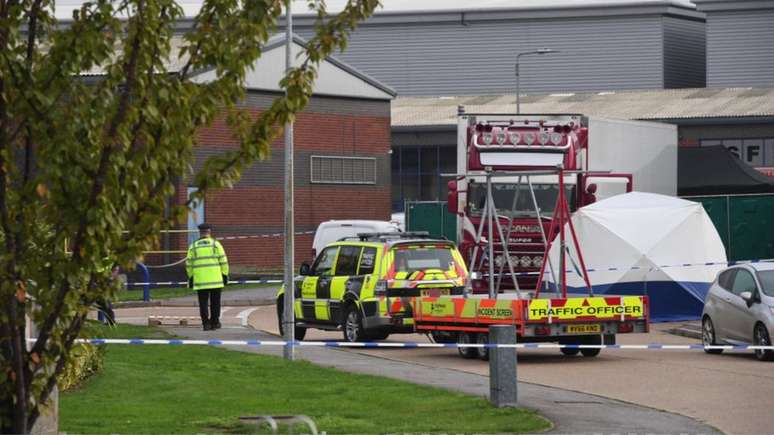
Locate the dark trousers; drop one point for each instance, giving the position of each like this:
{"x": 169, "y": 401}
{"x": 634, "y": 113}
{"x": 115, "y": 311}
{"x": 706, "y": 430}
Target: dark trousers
{"x": 213, "y": 295}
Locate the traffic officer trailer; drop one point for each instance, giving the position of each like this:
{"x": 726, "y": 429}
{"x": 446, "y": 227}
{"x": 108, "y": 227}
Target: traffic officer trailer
{"x": 519, "y": 149}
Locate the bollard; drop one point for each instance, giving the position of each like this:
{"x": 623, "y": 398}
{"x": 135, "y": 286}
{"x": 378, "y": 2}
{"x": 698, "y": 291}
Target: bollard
{"x": 146, "y": 276}
{"x": 502, "y": 366}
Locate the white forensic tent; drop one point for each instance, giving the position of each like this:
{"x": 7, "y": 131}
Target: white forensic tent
{"x": 646, "y": 244}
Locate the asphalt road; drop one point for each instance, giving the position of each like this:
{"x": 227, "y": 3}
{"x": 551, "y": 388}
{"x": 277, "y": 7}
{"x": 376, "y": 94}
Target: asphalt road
{"x": 732, "y": 392}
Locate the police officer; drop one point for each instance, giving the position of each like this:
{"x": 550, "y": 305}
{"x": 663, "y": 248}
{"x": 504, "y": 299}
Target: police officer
{"x": 207, "y": 269}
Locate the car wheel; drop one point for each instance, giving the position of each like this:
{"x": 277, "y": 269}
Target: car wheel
{"x": 591, "y": 352}
{"x": 761, "y": 338}
{"x": 482, "y": 352}
{"x": 378, "y": 335}
{"x": 466, "y": 352}
{"x": 353, "y": 324}
{"x": 708, "y": 336}
{"x": 299, "y": 333}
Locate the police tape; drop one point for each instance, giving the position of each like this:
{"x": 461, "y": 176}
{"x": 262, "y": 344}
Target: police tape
{"x": 545, "y": 273}
{"x": 230, "y": 282}
{"x": 371, "y": 345}
{"x": 649, "y": 268}
{"x": 262, "y": 236}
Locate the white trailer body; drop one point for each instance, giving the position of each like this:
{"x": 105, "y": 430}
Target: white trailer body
{"x": 647, "y": 150}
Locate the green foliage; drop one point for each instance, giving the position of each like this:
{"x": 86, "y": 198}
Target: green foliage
{"x": 88, "y": 163}
{"x": 84, "y": 361}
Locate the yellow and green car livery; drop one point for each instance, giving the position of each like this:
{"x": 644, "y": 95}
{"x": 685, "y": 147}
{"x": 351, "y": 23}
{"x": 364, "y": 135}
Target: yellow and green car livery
{"x": 363, "y": 287}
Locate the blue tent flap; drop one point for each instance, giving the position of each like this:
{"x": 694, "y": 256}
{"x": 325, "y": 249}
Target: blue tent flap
{"x": 670, "y": 301}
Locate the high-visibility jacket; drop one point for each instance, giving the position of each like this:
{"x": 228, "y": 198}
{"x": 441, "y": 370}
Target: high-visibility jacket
{"x": 206, "y": 263}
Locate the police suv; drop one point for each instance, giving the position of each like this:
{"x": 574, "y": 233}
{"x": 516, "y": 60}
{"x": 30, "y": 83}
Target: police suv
{"x": 362, "y": 285}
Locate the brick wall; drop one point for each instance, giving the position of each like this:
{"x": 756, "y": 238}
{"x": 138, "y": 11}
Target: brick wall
{"x": 254, "y": 207}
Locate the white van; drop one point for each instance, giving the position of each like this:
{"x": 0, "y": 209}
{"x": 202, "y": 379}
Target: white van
{"x": 331, "y": 231}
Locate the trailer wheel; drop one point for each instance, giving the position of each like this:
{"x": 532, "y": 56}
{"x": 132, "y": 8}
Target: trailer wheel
{"x": 466, "y": 352}
{"x": 569, "y": 351}
{"x": 443, "y": 336}
{"x": 592, "y": 339}
{"x": 482, "y": 352}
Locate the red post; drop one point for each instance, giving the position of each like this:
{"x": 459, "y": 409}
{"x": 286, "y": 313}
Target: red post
{"x": 580, "y": 255}
{"x": 550, "y": 239}
{"x": 562, "y": 213}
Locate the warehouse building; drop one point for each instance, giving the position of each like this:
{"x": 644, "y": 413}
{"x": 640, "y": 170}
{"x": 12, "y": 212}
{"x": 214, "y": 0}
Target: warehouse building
{"x": 455, "y": 47}
{"x": 740, "y": 42}
{"x": 425, "y": 135}
{"x": 342, "y": 151}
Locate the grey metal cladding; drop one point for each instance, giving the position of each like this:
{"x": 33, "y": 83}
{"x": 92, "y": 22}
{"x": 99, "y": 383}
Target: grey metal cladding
{"x": 740, "y": 48}
{"x": 685, "y": 62}
{"x": 477, "y": 58}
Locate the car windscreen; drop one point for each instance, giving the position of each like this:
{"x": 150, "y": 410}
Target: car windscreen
{"x": 767, "y": 282}
{"x": 414, "y": 258}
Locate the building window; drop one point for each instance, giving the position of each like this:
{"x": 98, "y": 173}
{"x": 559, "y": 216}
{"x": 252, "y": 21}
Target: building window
{"x": 756, "y": 152}
{"x": 343, "y": 170}
{"x": 416, "y": 173}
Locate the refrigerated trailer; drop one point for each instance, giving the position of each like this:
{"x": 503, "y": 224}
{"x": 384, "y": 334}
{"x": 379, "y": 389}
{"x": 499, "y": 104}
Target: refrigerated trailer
{"x": 519, "y": 179}
{"x": 605, "y": 157}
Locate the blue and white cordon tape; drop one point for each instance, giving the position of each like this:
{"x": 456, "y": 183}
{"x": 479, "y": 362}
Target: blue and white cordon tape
{"x": 369, "y": 345}
{"x": 546, "y": 272}
{"x": 261, "y": 236}
{"x": 654, "y": 268}
{"x": 184, "y": 283}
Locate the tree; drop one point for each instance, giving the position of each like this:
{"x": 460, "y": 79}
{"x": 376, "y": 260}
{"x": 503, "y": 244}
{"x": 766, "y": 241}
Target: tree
{"x": 87, "y": 162}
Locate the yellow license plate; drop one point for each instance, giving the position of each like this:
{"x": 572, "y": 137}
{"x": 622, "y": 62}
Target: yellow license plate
{"x": 584, "y": 329}
{"x": 435, "y": 292}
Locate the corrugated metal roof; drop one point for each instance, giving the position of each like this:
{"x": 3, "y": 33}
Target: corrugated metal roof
{"x": 643, "y": 105}
{"x": 175, "y": 63}
{"x": 172, "y": 64}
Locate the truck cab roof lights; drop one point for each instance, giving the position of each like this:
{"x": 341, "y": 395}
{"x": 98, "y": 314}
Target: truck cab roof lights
{"x": 543, "y": 137}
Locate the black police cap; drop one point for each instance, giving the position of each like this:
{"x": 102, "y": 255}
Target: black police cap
{"x": 204, "y": 227}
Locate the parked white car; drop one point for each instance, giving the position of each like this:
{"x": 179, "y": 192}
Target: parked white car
{"x": 739, "y": 308}
{"x": 334, "y": 230}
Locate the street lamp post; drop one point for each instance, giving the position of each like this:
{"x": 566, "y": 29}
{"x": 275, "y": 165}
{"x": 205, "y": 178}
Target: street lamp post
{"x": 288, "y": 318}
{"x": 526, "y": 53}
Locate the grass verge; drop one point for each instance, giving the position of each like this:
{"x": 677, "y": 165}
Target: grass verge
{"x": 199, "y": 389}
{"x": 135, "y": 294}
